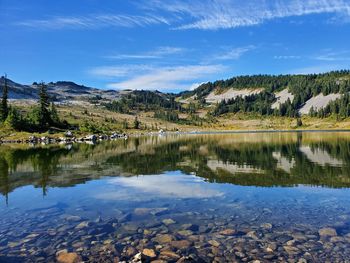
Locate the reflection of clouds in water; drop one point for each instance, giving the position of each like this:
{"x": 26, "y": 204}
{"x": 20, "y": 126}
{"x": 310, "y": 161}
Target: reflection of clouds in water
{"x": 164, "y": 185}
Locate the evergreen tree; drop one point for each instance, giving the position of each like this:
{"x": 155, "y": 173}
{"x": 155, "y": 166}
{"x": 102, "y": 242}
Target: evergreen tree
{"x": 312, "y": 112}
{"x": 299, "y": 122}
{"x": 44, "y": 117}
{"x": 4, "y": 109}
{"x": 14, "y": 119}
{"x": 136, "y": 123}
{"x": 125, "y": 124}
{"x": 54, "y": 115}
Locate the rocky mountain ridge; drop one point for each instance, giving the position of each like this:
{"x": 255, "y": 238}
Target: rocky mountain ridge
{"x": 59, "y": 91}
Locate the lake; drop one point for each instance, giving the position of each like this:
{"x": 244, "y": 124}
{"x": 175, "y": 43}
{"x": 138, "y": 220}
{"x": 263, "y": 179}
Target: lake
{"x": 238, "y": 197}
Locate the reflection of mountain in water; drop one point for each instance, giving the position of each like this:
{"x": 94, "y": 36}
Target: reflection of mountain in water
{"x": 320, "y": 157}
{"x": 283, "y": 163}
{"x": 260, "y": 159}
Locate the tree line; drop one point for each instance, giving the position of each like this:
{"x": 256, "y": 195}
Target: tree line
{"x": 143, "y": 100}
{"x": 301, "y": 85}
{"x": 339, "y": 107}
{"x": 262, "y": 104}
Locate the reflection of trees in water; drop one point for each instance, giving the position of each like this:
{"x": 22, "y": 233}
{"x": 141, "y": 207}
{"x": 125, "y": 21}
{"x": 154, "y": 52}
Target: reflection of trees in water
{"x": 45, "y": 166}
{"x": 338, "y": 150}
{"x": 153, "y": 156}
{"x": 43, "y": 161}
{"x": 260, "y": 156}
{"x": 4, "y": 177}
{"x": 303, "y": 171}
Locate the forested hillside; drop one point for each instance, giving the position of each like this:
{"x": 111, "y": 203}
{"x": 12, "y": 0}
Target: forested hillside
{"x": 304, "y": 85}
{"x": 332, "y": 88}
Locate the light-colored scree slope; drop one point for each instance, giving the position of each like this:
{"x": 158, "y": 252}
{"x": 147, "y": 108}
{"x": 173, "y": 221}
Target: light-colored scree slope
{"x": 318, "y": 102}
{"x": 231, "y": 94}
{"x": 282, "y": 97}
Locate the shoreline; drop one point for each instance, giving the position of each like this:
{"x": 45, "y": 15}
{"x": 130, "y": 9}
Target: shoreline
{"x": 268, "y": 131}
{"x": 95, "y": 138}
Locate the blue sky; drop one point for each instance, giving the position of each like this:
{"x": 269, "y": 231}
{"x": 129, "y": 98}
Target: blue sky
{"x": 170, "y": 45}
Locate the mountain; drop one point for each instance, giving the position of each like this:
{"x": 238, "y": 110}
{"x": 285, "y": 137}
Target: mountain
{"x": 19, "y": 91}
{"x": 59, "y": 91}
{"x": 279, "y": 95}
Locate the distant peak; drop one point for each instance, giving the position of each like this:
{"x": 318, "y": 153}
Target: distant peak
{"x": 64, "y": 82}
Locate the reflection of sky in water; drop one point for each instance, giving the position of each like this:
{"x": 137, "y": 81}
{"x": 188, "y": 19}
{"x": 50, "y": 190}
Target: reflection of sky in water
{"x": 186, "y": 193}
{"x": 173, "y": 184}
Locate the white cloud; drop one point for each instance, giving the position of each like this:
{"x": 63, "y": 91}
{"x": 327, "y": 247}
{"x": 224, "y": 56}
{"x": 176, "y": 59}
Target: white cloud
{"x": 118, "y": 71}
{"x": 333, "y": 56}
{"x": 195, "y": 85}
{"x": 155, "y": 54}
{"x": 220, "y": 14}
{"x": 235, "y": 53}
{"x": 157, "y": 78}
{"x": 287, "y": 57}
{"x": 202, "y": 14}
{"x": 95, "y": 21}
{"x": 178, "y": 186}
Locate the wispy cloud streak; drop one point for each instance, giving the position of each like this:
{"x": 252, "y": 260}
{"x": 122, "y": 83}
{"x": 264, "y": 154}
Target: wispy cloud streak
{"x": 95, "y": 22}
{"x": 221, "y": 14}
{"x": 201, "y": 14}
{"x": 235, "y": 53}
{"x": 334, "y": 56}
{"x": 156, "y": 78}
{"x": 155, "y": 54}
{"x": 280, "y": 57}
{"x": 119, "y": 71}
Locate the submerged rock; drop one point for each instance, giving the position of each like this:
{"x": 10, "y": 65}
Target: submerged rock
{"x": 83, "y": 225}
{"x": 168, "y": 221}
{"x": 181, "y": 244}
{"x": 137, "y": 258}
{"x": 149, "y": 253}
{"x": 227, "y": 232}
{"x": 214, "y": 243}
{"x": 191, "y": 227}
{"x": 185, "y": 232}
{"x": 162, "y": 239}
{"x": 130, "y": 251}
{"x": 327, "y": 232}
{"x": 68, "y": 258}
{"x": 152, "y": 211}
{"x": 291, "y": 250}
{"x": 169, "y": 255}
{"x": 73, "y": 218}
{"x": 266, "y": 226}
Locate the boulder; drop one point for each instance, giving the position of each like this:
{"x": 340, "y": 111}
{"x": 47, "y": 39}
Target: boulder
{"x": 68, "y": 134}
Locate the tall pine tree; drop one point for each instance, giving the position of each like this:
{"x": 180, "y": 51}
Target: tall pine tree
{"x": 44, "y": 117}
{"x": 4, "y": 109}
{"x": 55, "y": 120}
